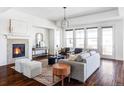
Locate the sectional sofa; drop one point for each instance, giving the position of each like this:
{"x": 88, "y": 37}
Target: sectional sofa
{"x": 84, "y": 69}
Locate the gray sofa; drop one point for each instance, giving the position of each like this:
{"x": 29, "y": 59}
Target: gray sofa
{"x": 83, "y": 70}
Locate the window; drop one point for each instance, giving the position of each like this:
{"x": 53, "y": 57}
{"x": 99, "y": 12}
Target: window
{"x": 107, "y": 41}
{"x": 79, "y": 38}
{"x": 91, "y": 38}
{"x": 57, "y": 39}
{"x": 69, "y": 38}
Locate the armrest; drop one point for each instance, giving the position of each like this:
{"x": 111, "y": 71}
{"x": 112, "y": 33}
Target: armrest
{"x": 78, "y": 69}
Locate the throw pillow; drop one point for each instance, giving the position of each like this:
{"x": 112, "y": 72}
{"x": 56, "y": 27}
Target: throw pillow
{"x": 72, "y": 57}
{"x": 85, "y": 55}
{"x": 79, "y": 58}
{"x": 62, "y": 50}
{"x": 92, "y": 52}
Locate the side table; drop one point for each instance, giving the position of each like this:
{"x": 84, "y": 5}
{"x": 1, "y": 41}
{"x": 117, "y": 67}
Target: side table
{"x": 62, "y": 70}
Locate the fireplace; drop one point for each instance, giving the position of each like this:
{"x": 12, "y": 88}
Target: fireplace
{"x": 18, "y": 50}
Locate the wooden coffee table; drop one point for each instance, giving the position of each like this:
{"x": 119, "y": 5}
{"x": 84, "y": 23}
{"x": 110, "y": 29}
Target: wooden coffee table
{"x": 61, "y": 70}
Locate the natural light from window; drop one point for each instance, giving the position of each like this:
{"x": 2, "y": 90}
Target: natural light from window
{"x": 69, "y": 38}
{"x": 107, "y": 43}
{"x": 79, "y": 38}
{"x": 92, "y": 38}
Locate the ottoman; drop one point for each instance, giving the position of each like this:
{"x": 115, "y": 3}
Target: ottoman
{"x": 32, "y": 69}
{"x": 19, "y": 64}
{"x": 53, "y": 59}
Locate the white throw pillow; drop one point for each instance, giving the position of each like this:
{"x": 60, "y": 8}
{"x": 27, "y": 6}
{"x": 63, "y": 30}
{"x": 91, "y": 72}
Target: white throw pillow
{"x": 73, "y": 57}
{"x": 79, "y": 58}
{"x": 92, "y": 52}
{"x": 85, "y": 55}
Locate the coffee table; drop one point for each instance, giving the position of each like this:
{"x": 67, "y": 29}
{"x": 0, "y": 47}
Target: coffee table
{"x": 53, "y": 59}
{"x": 61, "y": 70}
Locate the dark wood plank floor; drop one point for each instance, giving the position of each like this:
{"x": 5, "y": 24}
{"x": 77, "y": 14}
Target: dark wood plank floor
{"x": 109, "y": 74}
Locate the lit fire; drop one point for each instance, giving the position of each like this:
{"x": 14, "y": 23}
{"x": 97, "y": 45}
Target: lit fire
{"x": 17, "y": 51}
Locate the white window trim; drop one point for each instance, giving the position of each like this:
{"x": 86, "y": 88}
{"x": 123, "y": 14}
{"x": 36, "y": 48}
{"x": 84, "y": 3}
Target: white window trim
{"x": 99, "y": 39}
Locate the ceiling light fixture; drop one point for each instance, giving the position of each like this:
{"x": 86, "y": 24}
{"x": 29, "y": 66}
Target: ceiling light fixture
{"x": 65, "y": 22}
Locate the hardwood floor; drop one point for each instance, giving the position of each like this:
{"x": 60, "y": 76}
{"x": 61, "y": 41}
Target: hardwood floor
{"x": 109, "y": 74}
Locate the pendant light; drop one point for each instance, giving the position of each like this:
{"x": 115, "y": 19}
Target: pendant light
{"x": 65, "y": 22}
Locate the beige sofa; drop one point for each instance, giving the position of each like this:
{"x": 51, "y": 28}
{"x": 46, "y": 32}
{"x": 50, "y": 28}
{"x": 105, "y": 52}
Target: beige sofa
{"x": 83, "y": 70}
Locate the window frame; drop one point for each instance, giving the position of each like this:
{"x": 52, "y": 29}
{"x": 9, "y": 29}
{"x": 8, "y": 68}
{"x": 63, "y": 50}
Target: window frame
{"x": 108, "y": 56}
{"x": 78, "y": 29}
{"x": 91, "y": 38}
{"x": 69, "y": 38}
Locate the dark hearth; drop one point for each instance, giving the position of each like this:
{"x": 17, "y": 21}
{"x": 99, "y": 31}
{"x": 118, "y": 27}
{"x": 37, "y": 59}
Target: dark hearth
{"x": 18, "y": 50}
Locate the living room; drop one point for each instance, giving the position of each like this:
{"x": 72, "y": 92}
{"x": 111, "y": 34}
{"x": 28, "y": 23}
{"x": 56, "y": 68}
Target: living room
{"x": 87, "y": 42}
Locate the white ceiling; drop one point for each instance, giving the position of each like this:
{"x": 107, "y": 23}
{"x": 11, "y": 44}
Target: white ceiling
{"x": 3, "y": 9}
{"x": 56, "y": 13}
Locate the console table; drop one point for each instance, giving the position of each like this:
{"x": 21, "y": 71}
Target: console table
{"x": 36, "y": 52}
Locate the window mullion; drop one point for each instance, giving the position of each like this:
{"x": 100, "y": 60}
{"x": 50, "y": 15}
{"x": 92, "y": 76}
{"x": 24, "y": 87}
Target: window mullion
{"x": 74, "y": 38}
{"x": 85, "y": 38}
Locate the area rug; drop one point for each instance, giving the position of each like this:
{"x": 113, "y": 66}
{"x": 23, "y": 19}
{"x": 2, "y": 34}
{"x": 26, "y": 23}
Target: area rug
{"x": 46, "y": 77}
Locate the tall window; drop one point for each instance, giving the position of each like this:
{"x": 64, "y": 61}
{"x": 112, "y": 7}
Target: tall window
{"x": 79, "y": 38}
{"x": 57, "y": 38}
{"x": 92, "y": 38}
{"x": 69, "y": 38}
{"x": 107, "y": 41}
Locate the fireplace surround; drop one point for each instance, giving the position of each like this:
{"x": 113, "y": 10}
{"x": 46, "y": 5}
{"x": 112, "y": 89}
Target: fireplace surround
{"x": 18, "y": 46}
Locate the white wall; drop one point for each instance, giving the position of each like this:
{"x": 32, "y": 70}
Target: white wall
{"x": 3, "y": 53}
{"x": 44, "y": 31}
{"x": 121, "y": 13}
{"x": 30, "y": 20}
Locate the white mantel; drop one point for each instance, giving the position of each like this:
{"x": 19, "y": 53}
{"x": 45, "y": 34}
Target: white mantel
{"x": 16, "y": 36}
